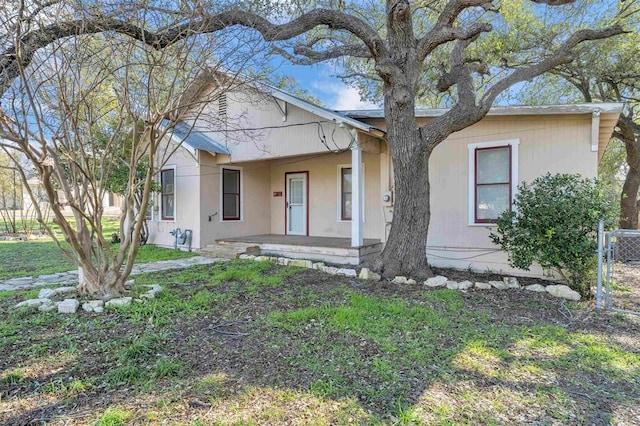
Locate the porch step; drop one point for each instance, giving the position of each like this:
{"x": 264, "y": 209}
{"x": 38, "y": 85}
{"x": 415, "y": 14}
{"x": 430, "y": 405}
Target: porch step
{"x": 341, "y": 256}
{"x": 229, "y": 250}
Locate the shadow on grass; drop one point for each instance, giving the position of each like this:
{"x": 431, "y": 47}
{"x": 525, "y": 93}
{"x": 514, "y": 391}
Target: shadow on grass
{"x": 254, "y": 342}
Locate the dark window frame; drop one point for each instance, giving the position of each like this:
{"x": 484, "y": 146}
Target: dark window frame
{"x": 238, "y": 195}
{"x": 163, "y": 195}
{"x": 343, "y": 193}
{"x": 476, "y": 184}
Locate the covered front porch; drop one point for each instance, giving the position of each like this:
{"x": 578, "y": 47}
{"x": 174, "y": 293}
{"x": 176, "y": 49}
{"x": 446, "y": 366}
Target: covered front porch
{"x": 326, "y": 249}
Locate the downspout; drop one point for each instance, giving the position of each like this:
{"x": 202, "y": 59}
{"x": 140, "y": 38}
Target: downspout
{"x": 595, "y": 130}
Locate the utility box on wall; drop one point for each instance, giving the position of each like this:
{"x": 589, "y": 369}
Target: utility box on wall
{"x": 387, "y": 198}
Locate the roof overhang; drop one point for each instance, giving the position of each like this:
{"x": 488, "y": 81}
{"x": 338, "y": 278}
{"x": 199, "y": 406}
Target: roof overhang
{"x": 335, "y": 116}
{"x": 194, "y": 139}
{"x": 604, "y": 117}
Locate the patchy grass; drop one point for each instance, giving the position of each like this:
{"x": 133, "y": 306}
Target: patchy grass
{"x": 37, "y": 257}
{"x": 254, "y": 343}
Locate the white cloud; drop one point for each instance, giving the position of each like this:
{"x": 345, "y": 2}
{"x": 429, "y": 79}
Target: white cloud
{"x": 339, "y": 96}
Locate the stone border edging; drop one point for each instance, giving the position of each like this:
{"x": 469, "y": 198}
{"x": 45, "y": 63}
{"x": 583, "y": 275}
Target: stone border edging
{"x": 559, "y": 290}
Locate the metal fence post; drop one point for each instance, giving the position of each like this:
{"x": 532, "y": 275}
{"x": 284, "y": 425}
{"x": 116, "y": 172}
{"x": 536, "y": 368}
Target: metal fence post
{"x": 600, "y": 253}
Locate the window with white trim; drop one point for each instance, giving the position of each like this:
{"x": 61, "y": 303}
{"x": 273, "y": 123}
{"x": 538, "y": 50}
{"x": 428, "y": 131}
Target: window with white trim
{"x": 492, "y": 179}
{"x": 167, "y": 197}
{"x": 345, "y": 191}
{"x": 231, "y": 194}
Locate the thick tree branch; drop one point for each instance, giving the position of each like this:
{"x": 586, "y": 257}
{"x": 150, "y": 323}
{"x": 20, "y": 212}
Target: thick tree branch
{"x": 443, "y": 34}
{"x": 563, "y": 55}
{"x": 461, "y": 74}
{"x": 304, "y": 55}
{"x": 29, "y": 43}
{"x": 554, "y": 2}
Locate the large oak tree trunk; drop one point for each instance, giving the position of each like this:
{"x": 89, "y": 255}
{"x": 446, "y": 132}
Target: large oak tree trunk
{"x": 405, "y": 251}
{"x": 629, "y": 200}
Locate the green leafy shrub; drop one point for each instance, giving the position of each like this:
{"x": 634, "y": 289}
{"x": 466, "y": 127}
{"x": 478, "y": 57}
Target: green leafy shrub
{"x": 555, "y": 223}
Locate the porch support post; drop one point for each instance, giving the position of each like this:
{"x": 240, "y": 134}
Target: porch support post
{"x": 356, "y": 193}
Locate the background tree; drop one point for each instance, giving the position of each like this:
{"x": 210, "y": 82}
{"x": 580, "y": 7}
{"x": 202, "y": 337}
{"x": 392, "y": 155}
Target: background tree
{"x": 608, "y": 71}
{"x": 10, "y": 194}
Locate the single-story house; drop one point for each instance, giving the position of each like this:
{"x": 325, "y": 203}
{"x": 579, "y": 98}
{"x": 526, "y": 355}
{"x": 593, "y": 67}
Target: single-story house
{"x": 286, "y": 175}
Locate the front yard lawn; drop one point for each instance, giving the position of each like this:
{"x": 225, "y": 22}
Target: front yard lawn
{"x": 37, "y": 257}
{"x": 247, "y": 342}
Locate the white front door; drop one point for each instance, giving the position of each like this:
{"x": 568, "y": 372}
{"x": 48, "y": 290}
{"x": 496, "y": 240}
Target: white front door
{"x": 296, "y": 204}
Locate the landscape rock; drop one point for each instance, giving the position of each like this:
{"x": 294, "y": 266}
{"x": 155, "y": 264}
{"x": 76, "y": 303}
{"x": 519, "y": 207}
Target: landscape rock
{"x": 399, "y": 279}
{"x": 301, "y": 263}
{"x": 46, "y": 293}
{"x": 65, "y": 290}
{"x": 68, "y": 306}
{"x": 331, "y": 270}
{"x": 156, "y": 288}
{"x": 465, "y": 285}
{"x": 283, "y": 261}
{"x": 261, "y": 258}
{"x": 366, "y": 274}
{"x": 511, "y": 282}
{"x": 452, "y": 285}
{"x": 437, "y": 281}
{"x": 246, "y": 256}
{"x": 129, "y": 283}
{"x": 33, "y": 302}
{"x": 500, "y": 285}
{"x": 536, "y": 287}
{"x": 318, "y": 266}
{"x": 153, "y": 290}
{"x": 91, "y": 305}
{"x": 411, "y": 281}
{"x": 47, "y": 307}
{"x": 347, "y": 272}
{"x": 121, "y": 301}
{"x": 483, "y": 286}
{"x": 563, "y": 291}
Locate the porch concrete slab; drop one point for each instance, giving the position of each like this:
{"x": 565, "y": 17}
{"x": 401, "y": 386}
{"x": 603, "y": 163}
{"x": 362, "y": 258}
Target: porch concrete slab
{"x": 323, "y": 249}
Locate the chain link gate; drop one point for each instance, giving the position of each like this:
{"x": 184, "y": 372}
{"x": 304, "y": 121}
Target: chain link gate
{"x": 621, "y": 273}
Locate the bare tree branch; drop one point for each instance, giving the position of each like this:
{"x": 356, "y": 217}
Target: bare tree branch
{"x": 443, "y": 34}
{"x": 29, "y": 43}
{"x": 564, "y": 54}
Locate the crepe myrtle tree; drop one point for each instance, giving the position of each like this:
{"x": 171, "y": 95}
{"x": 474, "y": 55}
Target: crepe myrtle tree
{"x": 398, "y": 49}
{"x": 89, "y": 109}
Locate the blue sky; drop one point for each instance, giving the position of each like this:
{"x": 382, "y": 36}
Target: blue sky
{"x": 321, "y": 82}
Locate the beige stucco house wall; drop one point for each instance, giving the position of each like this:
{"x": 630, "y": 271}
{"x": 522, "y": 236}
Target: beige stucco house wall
{"x": 270, "y": 135}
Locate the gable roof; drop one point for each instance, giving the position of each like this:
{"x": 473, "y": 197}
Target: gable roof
{"x": 337, "y": 116}
{"x": 195, "y": 139}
